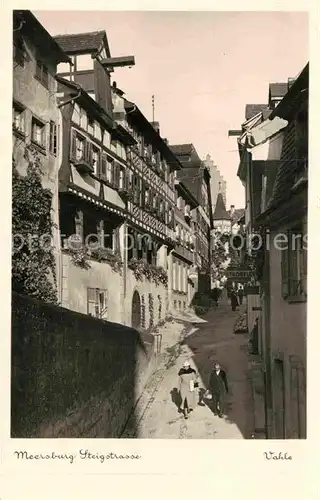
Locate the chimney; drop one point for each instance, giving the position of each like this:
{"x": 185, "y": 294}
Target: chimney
{"x": 232, "y": 209}
{"x": 156, "y": 126}
{"x": 290, "y": 82}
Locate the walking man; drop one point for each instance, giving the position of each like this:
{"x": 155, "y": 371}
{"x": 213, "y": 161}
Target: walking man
{"x": 240, "y": 294}
{"x": 218, "y": 386}
{"x": 234, "y": 300}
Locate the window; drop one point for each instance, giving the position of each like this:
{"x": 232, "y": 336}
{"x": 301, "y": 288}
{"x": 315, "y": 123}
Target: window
{"x": 121, "y": 178}
{"x": 110, "y": 168}
{"x": 42, "y": 73}
{"x": 113, "y": 146}
{"x": 80, "y": 147}
{"x": 38, "y": 132}
{"x": 18, "y": 50}
{"x": 129, "y": 179}
{"x": 154, "y": 201}
{"x": 136, "y": 190}
{"x": 161, "y": 209}
{"x": 97, "y": 302}
{"x": 294, "y": 266}
{"x": 53, "y": 146}
{"x": 18, "y": 118}
{"x": 96, "y": 160}
{"x": 146, "y": 197}
{"x": 90, "y": 126}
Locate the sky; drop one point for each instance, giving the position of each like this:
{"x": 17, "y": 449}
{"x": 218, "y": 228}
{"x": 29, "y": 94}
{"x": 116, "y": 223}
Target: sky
{"x": 202, "y": 67}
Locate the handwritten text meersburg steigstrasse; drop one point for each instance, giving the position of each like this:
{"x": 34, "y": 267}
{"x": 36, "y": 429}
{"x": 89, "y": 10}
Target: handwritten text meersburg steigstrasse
{"x": 71, "y": 457}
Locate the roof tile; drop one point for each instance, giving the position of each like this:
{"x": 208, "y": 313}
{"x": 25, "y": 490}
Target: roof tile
{"x": 80, "y": 42}
{"x": 278, "y": 89}
{"x": 254, "y": 109}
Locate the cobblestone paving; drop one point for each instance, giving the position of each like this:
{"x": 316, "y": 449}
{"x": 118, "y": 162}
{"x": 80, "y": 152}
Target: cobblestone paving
{"x": 214, "y": 340}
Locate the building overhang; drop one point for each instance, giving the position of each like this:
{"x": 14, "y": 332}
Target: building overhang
{"x": 93, "y": 108}
{"x": 118, "y": 62}
{"x": 292, "y": 208}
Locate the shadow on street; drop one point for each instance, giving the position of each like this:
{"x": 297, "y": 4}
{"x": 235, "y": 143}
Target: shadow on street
{"x": 214, "y": 341}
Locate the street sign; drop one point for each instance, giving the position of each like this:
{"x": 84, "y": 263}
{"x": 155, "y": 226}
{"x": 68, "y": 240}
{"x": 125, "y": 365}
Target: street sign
{"x": 239, "y": 274}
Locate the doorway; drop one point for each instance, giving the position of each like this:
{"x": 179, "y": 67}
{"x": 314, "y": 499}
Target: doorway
{"x": 136, "y": 310}
{"x": 279, "y": 399}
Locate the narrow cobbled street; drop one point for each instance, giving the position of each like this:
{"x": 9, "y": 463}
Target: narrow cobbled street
{"x": 207, "y": 342}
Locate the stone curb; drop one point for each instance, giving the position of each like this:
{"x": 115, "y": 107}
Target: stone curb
{"x": 143, "y": 404}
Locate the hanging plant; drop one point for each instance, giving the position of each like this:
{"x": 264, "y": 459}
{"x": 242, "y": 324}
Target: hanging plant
{"x": 160, "y": 306}
{"x": 80, "y": 258}
{"x": 151, "y": 310}
{"x": 142, "y": 269}
{"x": 33, "y": 261}
{"x": 108, "y": 255}
{"x": 143, "y": 312}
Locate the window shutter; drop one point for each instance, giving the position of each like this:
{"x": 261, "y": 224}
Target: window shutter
{"x": 293, "y": 272}
{"x": 114, "y": 173}
{"x": 91, "y": 301}
{"x": 103, "y": 166}
{"x": 285, "y": 271}
{"x": 303, "y": 268}
{"x": 88, "y": 152}
{"x": 158, "y": 206}
{"x": 73, "y": 144}
{"x": 97, "y": 166}
{"x": 126, "y": 180}
{"x": 143, "y": 194}
{"x": 117, "y": 174}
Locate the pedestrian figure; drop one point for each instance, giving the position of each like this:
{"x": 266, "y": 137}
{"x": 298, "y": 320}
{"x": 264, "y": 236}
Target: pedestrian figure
{"x": 234, "y": 300}
{"x": 215, "y": 295}
{"x": 218, "y": 387}
{"x": 240, "y": 295}
{"x": 188, "y": 385}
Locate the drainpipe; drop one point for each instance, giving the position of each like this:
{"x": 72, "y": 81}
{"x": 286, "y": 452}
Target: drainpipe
{"x": 59, "y": 106}
{"x": 72, "y": 98}
{"x": 22, "y": 22}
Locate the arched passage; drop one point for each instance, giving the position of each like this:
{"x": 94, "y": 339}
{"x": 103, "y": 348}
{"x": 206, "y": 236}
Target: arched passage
{"x": 136, "y": 310}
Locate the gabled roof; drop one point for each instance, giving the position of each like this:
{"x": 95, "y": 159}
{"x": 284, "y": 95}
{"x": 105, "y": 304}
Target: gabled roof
{"x": 30, "y": 25}
{"x": 254, "y": 109}
{"x": 187, "y": 155}
{"x": 220, "y": 212}
{"x": 237, "y": 215}
{"x": 278, "y": 89}
{"x": 81, "y": 42}
{"x": 161, "y": 144}
{"x": 287, "y": 106}
{"x": 295, "y": 99}
{"x": 182, "y": 149}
